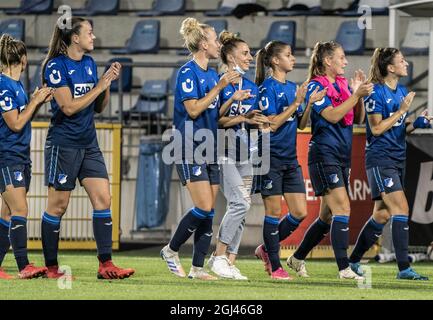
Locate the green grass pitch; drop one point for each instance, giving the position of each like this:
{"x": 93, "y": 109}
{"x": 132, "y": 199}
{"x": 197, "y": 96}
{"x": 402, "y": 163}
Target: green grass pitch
{"x": 153, "y": 281}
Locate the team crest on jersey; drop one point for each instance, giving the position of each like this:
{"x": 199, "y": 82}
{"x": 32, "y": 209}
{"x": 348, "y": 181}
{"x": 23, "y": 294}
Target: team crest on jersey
{"x": 18, "y": 176}
{"x": 62, "y": 178}
{"x": 214, "y": 104}
{"x": 6, "y": 104}
{"x": 264, "y": 103}
{"x": 370, "y": 105}
{"x": 320, "y": 102}
{"x": 55, "y": 77}
{"x": 268, "y": 184}
{"x": 89, "y": 71}
{"x": 196, "y": 170}
{"x": 388, "y": 182}
{"x": 333, "y": 178}
{"x": 188, "y": 86}
{"x": 400, "y": 121}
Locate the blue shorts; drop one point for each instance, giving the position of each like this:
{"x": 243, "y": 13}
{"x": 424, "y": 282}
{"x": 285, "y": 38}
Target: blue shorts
{"x": 64, "y": 165}
{"x": 385, "y": 179}
{"x": 282, "y": 179}
{"x": 17, "y": 175}
{"x": 198, "y": 172}
{"x": 326, "y": 177}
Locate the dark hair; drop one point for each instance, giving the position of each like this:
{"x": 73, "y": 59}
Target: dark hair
{"x": 61, "y": 40}
{"x": 320, "y": 52}
{"x": 11, "y": 51}
{"x": 381, "y": 59}
{"x": 229, "y": 42}
{"x": 264, "y": 57}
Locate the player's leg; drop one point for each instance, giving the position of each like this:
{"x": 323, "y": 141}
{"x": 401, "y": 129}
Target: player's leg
{"x": 4, "y": 237}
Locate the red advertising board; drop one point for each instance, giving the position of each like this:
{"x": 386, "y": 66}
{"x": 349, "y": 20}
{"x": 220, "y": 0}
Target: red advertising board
{"x": 359, "y": 193}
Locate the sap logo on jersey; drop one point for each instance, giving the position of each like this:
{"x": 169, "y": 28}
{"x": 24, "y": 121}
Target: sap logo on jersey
{"x": 80, "y": 89}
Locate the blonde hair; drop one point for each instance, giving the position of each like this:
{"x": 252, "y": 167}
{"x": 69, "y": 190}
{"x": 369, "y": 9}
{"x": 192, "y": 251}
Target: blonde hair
{"x": 381, "y": 59}
{"x": 320, "y": 52}
{"x": 193, "y": 32}
{"x": 11, "y": 51}
{"x": 229, "y": 41}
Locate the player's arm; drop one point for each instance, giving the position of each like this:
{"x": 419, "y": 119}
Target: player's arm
{"x": 16, "y": 120}
{"x": 195, "y": 107}
{"x": 359, "y": 112}
{"x": 315, "y": 96}
{"x": 104, "y": 98}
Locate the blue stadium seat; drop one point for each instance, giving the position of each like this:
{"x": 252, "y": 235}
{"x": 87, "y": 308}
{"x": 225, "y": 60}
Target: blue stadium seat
{"x": 284, "y": 30}
{"x": 351, "y": 37}
{"x": 152, "y": 99}
{"x": 98, "y": 7}
{"x": 405, "y": 81}
{"x": 222, "y": 11}
{"x": 164, "y": 8}
{"x": 126, "y": 74}
{"x": 16, "y": 28}
{"x": 144, "y": 38}
{"x": 378, "y": 8}
{"x": 416, "y": 40}
{"x": 32, "y": 7}
{"x": 172, "y": 81}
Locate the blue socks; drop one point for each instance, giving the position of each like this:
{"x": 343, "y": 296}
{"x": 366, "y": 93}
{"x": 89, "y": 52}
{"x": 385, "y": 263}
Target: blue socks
{"x": 4, "y": 239}
{"x": 287, "y": 225}
{"x": 400, "y": 239}
{"x": 187, "y": 226}
{"x": 202, "y": 240}
{"x": 50, "y": 238}
{"x": 315, "y": 233}
{"x": 272, "y": 241}
{"x": 102, "y": 230}
{"x": 368, "y": 236}
{"x": 340, "y": 240}
{"x": 18, "y": 238}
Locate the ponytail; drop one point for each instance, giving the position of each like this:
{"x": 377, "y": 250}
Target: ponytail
{"x": 381, "y": 59}
{"x": 320, "y": 52}
{"x": 61, "y": 39}
{"x": 264, "y": 58}
{"x": 11, "y": 51}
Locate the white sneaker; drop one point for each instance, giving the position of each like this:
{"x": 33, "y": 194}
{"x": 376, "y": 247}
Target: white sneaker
{"x": 237, "y": 275}
{"x": 221, "y": 267}
{"x": 349, "y": 274}
{"x": 298, "y": 266}
{"x": 200, "y": 274}
{"x": 173, "y": 263}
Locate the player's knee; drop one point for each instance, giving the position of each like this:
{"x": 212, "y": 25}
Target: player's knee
{"x": 102, "y": 201}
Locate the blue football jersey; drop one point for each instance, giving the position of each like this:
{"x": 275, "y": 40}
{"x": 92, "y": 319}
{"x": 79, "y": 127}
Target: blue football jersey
{"x": 243, "y": 141}
{"x": 274, "y": 98}
{"x": 193, "y": 83}
{"x": 330, "y": 143}
{"x": 390, "y": 147}
{"x": 78, "y": 130}
{"x": 14, "y": 146}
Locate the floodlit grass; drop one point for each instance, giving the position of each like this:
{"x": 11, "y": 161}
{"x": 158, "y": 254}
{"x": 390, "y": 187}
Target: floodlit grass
{"x": 153, "y": 281}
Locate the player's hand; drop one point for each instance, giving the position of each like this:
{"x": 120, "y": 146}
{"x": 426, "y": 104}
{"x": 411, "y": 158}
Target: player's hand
{"x": 405, "y": 105}
{"x": 241, "y": 95}
{"x": 115, "y": 69}
{"x": 228, "y": 77}
{"x": 364, "y": 90}
{"x": 301, "y": 92}
{"x": 358, "y": 79}
{"x": 317, "y": 95}
{"x": 42, "y": 95}
{"x": 105, "y": 81}
{"x": 423, "y": 121}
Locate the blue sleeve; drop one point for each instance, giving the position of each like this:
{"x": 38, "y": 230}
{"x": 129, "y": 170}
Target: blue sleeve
{"x": 321, "y": 105}
{"x": 225, "y": 94}
{"x": 55, "y": 75}
{"x": 373, "y": 104}
{"x": 8, "y": 101}
{"x": 267, "y": 101}
{"x": 186, "y": 80}
{"x": 95, "y": 71}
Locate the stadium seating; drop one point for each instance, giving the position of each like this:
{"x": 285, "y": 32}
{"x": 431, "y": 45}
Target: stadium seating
{"x": 222, "y": 11}
{"x": 33, "y": 7}
{"x": 378, "y": 7}
{"x": 219, "y": 25}
{"x": 16, "y": 28}
{"x": 351, "y": 37}
{"x": 172, "y": 81}
{"x": 284, "y": 30}
{"x": 126, "y": 74}
{"x": 144, "y": 38}
{"x": 98, "y": 7}
{"x": 165, "y": 7}
{"x": 416, "y": 40}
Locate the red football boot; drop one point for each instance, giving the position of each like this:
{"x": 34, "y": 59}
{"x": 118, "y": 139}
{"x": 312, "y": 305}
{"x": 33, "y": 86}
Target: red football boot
{"x": 30, "y": 272}
{"x": 261, "y": 254}
{"x": 4, "y": 275}
{"x": 54, "y": 273}
{"x": 107, "y": 270}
